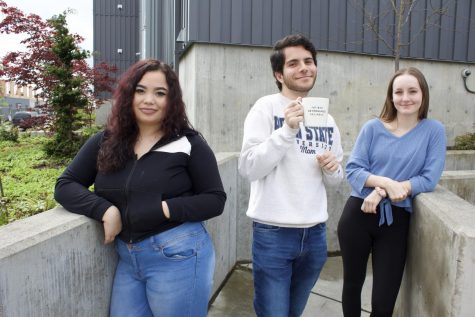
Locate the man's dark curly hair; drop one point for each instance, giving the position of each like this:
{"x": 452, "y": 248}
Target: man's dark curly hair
{"x": 277, "y": 58}
{"x": 122, "y": 131}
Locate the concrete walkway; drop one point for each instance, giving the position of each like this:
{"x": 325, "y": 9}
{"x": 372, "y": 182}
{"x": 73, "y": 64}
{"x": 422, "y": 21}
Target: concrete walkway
{"x": 235, "y": 298}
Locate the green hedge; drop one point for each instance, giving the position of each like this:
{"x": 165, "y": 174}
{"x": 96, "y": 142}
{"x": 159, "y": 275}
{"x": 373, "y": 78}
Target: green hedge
{"x": 28, "y": 177}
{"x": 465, "y": 142}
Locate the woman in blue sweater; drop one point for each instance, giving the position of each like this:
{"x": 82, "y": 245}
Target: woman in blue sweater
{"x": 395, "y": 157}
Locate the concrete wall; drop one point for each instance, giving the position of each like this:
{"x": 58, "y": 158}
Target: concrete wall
{"x": 221, "y": 82}
{"x": 439, "y": 279}
{"x": 461, "y": 183}
{"x": 54, "y": 263}
{"x": 460, "y": 160}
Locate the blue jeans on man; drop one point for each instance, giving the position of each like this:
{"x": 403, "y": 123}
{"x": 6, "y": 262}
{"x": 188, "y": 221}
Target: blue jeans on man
{"x": 286, "y": 265}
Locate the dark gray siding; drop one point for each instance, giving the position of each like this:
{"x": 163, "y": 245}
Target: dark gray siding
{"x": 339, "y": 25}
{"x": 158, "y": 19}
{"x": 116, "y": 29}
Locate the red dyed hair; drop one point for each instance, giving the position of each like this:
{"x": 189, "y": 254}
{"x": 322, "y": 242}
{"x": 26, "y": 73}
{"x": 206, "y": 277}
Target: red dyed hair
{"x": 122, "y": 131}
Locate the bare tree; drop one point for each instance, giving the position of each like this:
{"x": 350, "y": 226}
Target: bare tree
{"x": 400, "y": 12}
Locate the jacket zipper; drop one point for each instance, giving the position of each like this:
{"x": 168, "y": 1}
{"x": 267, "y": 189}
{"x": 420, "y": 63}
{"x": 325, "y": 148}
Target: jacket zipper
{"x": 126, "y": 216}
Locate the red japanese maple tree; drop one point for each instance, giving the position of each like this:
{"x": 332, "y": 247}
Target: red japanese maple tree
{"x": 56, "y": 68}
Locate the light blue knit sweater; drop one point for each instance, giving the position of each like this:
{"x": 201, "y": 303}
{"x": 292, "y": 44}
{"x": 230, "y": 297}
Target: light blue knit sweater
{"x": 417, "y": 156}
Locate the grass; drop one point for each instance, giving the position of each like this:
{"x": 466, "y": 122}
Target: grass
{"x": 28, "y": 177}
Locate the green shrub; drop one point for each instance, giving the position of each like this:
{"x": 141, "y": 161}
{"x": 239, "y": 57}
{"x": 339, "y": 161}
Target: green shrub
{"x": 67, "y": 149}
{"x": 465, "y": 142}
{"x": 8, "y": 132}
{"x": 28, "y": 178}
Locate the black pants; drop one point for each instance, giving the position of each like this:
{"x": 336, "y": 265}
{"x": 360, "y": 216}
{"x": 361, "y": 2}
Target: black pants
{"x": 359, "y": 234}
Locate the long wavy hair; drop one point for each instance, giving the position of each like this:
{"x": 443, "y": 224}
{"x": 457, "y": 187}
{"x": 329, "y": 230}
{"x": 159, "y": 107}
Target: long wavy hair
{"x": 389, "y": 111}
{"x": 122, "y": 130}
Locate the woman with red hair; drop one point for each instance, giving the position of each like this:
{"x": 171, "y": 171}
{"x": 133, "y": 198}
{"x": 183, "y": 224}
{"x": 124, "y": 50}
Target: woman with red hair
{"x": 155, "y": 181}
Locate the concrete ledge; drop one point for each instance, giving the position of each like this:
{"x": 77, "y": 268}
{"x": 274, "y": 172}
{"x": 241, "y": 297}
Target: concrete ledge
{"x": 456, "y": 160}
{"x": 53, "y": 264}
{"x": 440, "y": 271}
{"x": 461, "y": 183}
{"x": 223, "y": 229}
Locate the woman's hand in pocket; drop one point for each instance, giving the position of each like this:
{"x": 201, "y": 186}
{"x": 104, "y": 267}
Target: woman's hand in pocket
{"x": 112, "y": 224}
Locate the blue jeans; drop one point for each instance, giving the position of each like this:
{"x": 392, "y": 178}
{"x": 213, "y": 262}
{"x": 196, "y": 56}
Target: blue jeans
{"x": 169, "y": 274}
{"x": 286, "y": 263}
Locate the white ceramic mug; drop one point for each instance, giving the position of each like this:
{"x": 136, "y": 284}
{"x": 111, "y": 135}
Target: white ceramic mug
{"x": 315, "y": 111}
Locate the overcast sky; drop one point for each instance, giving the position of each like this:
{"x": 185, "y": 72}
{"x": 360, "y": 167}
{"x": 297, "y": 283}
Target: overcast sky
{"x": 79, "y": 22}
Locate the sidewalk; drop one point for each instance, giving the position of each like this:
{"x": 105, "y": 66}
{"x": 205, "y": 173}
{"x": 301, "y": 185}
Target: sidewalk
{"x": 235, "y": 299}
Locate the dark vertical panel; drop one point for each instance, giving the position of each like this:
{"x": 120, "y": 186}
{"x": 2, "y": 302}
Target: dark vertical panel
{"x": 156, "y": 24}
{"x": 246, "y": 21}
{"x": 319, "y": 24}
{"x": 296, "y": 19}
{"x": 405, "y": 37}
{"x": 432, "y": 38}
{"x": 277, "y": 19}
{"x": 193, "y": 20}
{"x": 416, "y": 34}
{"x": 257, "y": 22}
{"x": 447, "y": 28}
{"x": 354, "y": 26}
{"x": 267, "y": 23}
{"x": 471, "y": 35}
{"x": 114, "y": 29}
{"x": 215, "y": 21}
{"x": 333, "y": 34}
{"x": 369, "y": 38}
{"x": 341, "y": 26}
{"x": 136, "y": 28}
{"x": 386, "y": 28}
{"x": 236, "y": 21}
{"x": 337, "y": 28}
{"x": 287, "y": 19}
{"x": 306, "y": 17}
{"x": 462, "y": 23}
{"x": 203, "y": 22}
{"x": 226, "y": 18}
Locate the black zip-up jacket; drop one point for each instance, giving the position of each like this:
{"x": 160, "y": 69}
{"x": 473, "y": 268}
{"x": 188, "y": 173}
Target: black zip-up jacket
{"x": 183, "y": 172}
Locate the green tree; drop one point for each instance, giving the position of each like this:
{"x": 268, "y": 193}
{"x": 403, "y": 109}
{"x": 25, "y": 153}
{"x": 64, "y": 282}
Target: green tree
{"x": 66, "y": 95}
{"x": 56, "y": 67}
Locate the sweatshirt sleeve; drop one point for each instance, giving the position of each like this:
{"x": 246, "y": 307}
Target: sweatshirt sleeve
{"x": 72, "y": 187}
{"x": 209, "y": 196}
{"x": 433, "y": 164}
{"x": 358, "y": 165}
{"x": 263, "y": 147}
{"x": 336, "y": 177}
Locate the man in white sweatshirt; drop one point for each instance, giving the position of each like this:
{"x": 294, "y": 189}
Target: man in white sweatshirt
{"x": 285, "y": 163}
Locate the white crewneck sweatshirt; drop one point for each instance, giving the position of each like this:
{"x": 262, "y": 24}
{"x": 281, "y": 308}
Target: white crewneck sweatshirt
{"x": 287, "y": 188}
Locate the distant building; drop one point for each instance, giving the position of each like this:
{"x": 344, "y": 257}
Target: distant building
{"x": 14, "y": 98}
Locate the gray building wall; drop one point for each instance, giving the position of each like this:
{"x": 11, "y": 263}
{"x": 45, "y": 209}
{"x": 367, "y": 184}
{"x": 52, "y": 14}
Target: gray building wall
{"x": 116, "y": 32}
{"x": 157, "y": 29}
{"x": 163, "y": 28}
{"x": 338, "y": 25}
{"x": 221, "y": 82}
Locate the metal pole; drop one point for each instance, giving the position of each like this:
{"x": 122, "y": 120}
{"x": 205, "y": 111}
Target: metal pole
{"x": 1, "y": 187}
